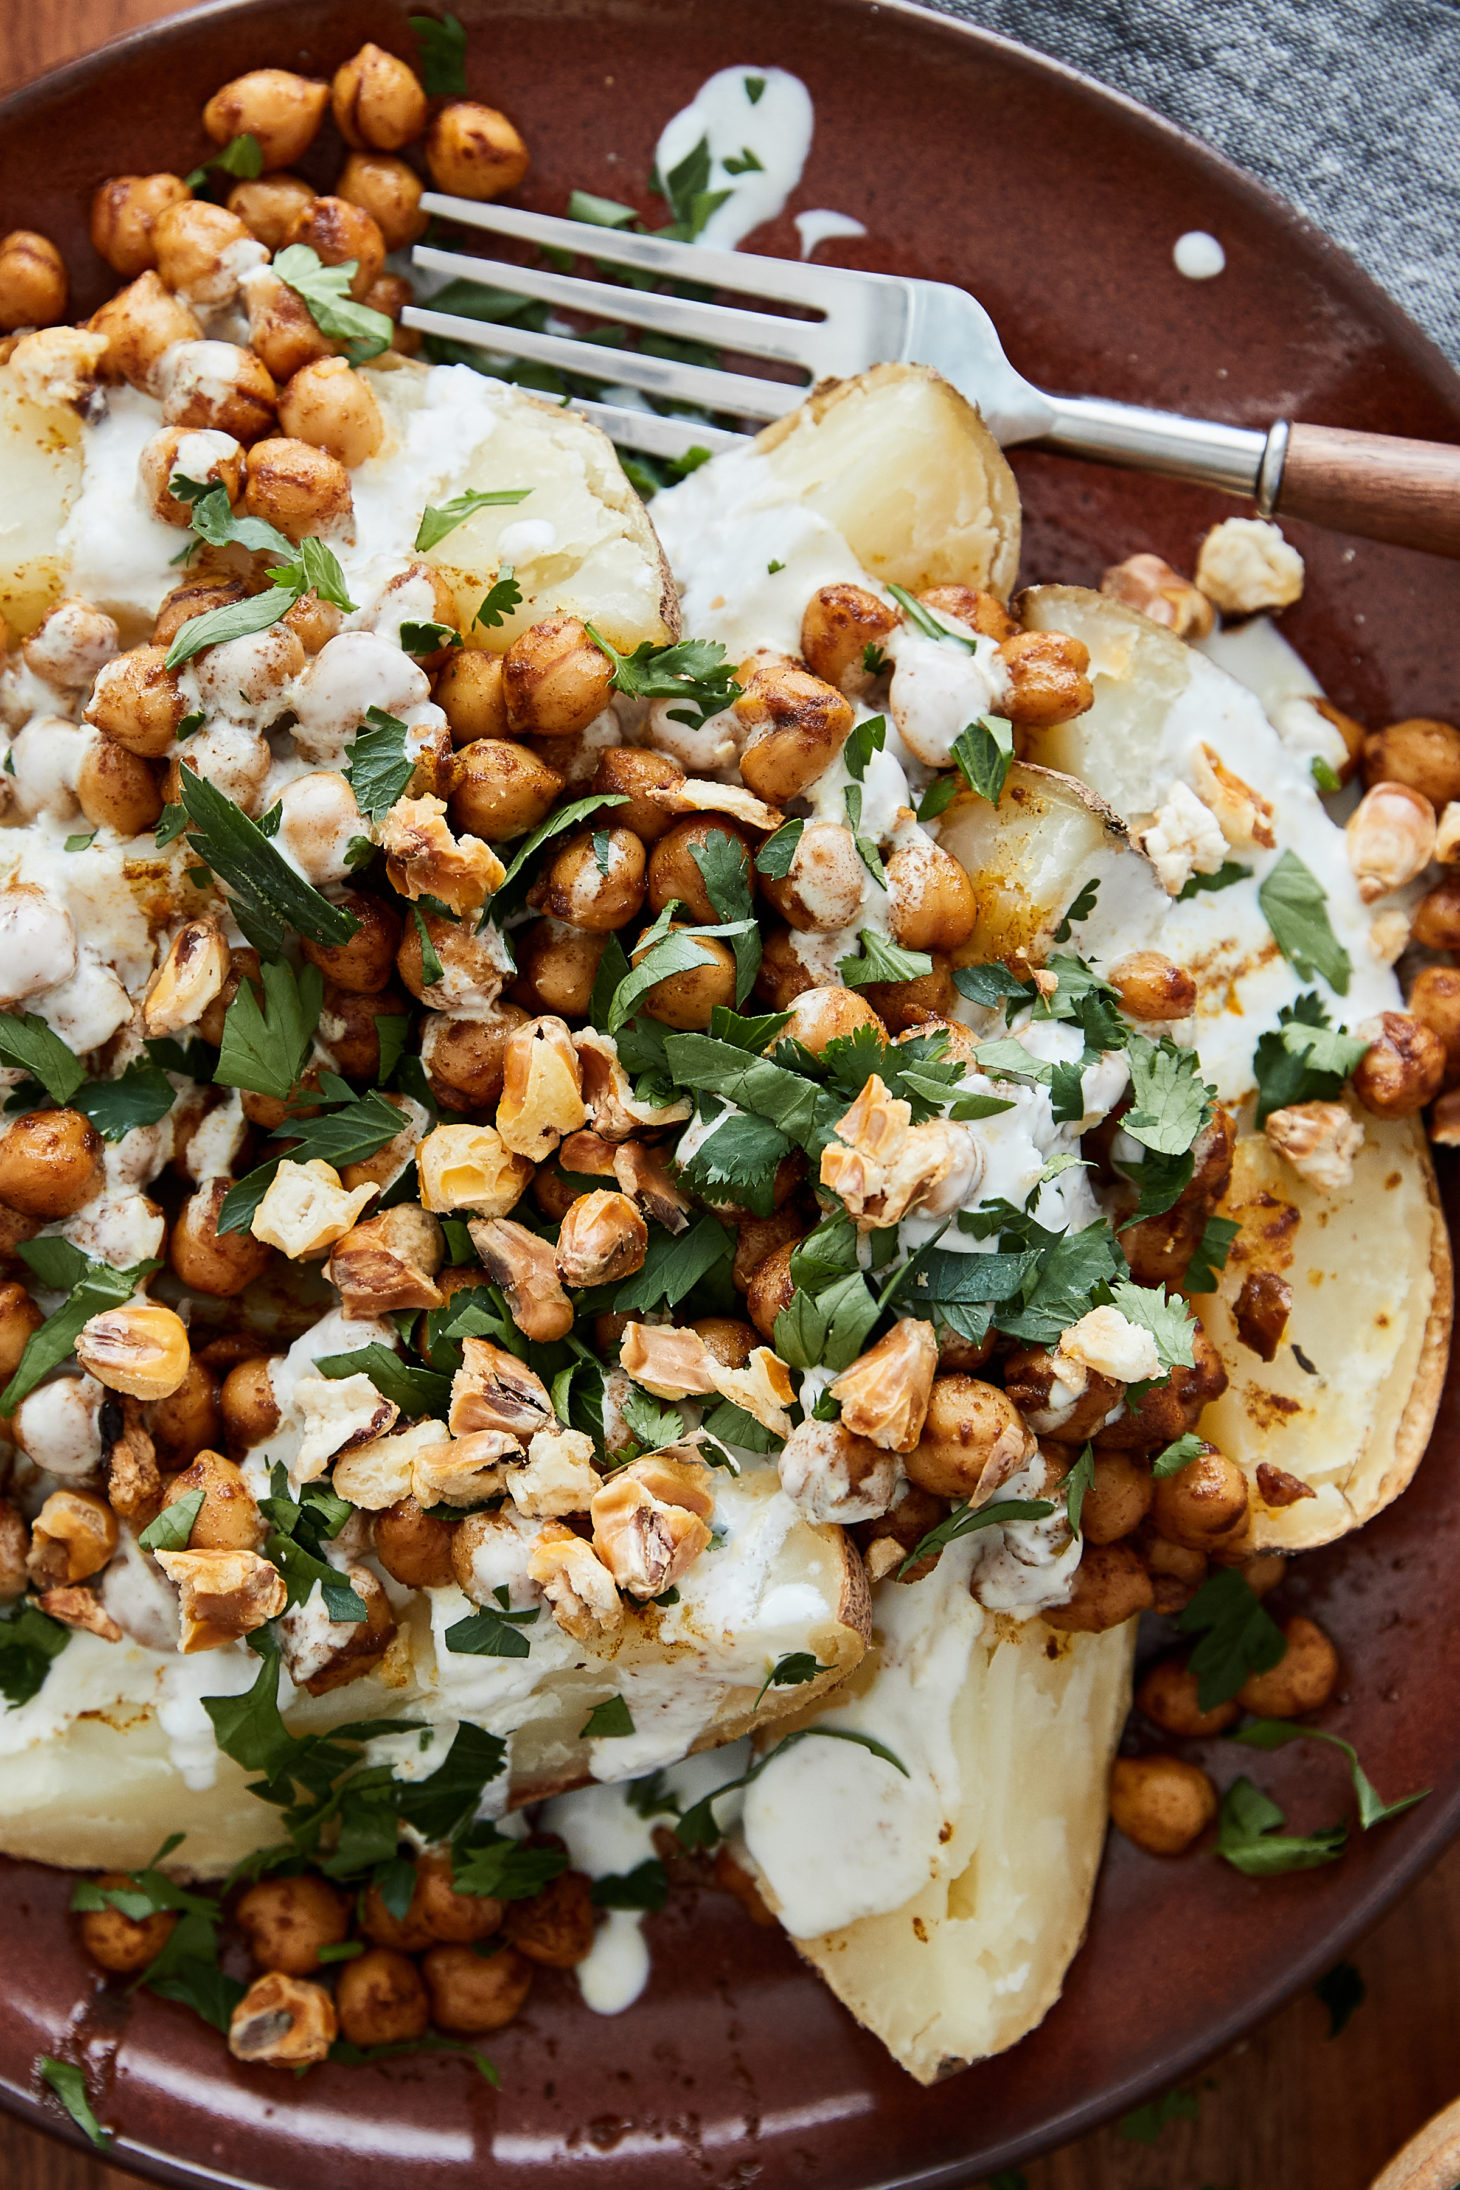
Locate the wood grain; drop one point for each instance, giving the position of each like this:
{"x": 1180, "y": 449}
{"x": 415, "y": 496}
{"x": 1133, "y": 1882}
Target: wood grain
{"x": 1379, "y": 486}
{"x": 1289, "y": 2105}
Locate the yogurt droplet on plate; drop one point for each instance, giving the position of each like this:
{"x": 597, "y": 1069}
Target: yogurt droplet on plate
{"x": 821, "y": 224}
{"x": 758, "y": 124}
{"x": 1198, "y": 256}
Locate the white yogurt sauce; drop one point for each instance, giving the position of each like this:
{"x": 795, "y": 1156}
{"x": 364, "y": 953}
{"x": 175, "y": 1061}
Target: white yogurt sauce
{"x": 1198, "y": 255}
{"x": 772, "y": 126}
{"x": 120, "y": 555}
{"x": 820, "y": 225}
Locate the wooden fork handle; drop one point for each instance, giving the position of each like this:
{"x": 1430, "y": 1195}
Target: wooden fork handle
{"x": 1373, "y": 484}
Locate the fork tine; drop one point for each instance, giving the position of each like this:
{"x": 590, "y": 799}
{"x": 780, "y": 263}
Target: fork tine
{"x": 793, "y": 341}
{"x": 734, "y": 392}
{"x": 791, "y": 280}
{"x": 660, "y": 436}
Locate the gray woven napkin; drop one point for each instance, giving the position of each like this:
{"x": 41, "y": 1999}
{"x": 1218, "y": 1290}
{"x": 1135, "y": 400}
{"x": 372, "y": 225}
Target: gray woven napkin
{"x": 1349, "y": 108}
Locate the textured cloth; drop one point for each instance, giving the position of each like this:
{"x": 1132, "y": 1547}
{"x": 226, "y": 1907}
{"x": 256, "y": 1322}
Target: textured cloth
{"x": 1350, "y": 109}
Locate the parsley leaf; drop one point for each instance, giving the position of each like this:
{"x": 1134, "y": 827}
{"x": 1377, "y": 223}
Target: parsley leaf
{"x": 880, "y": 959}
{"x": 69, "y": 2085}
{"x": 1228, "y": 873}
{"x": 1210, "y": 1256}
{"x": 962, "y": 1521}
{"x": 214, "y": 520}
{"x": 248, "y": 1727}
{"x": 804, "y": 1112}
{"x": 29, "y": 1641}
{"x": 992, "y": 985}
{"x": 269, "y": 899}
{"x": 488, "y": 1862}
{"x": 514, "y": 885}
{"x": 436, "y": 523}
{"x": 414, "y": 1391}
{"x": 792, "y": 1670}
{"x": 26, "y": 1041}
{"x": 737, "y": 1163}
{"x": 351, "y": 1133}
{"x": 1304, "y": 1059}
{"x": 1170, "y": 1102}
{"x": 673, "y": 1266}
{"x": 501, "y": 597}
{"x": 923, "y": 619}
{"x": 141, "y": 1095}
{"x": 97, "y": 1286}
{"x": 380, "y": 768}
{"x": 1178, "y": 1454}
{"x": 1077, "y": 1482}
{"x": 1238, "y": 1637}
{"x": 1295, "y": 907}
{"x": 863, "y": 740}
{"x": 491, "y": 1633}
{"x": 698, "y": 1827}
{"x": 646, "y": 1886}
{"x": 442, "y": 47}
{"x": 694, "y": 671}
{"x": 659, "y": 955}
{"x": 607, "y": 1721}
{"x": 1168, "y": 1321}
{"x": 984, "y": 752}
{"x": 690, "y": 199}
{"x": 827, "y": 1331}
{"x": 776, "y": 854}
{"x": 325, "y": 291}
{"x": 236, "y": 620}
{"x": 939, "y": 795}
{"x": 174, "y": 1525}
{"x": 1080, "y": 909}
{"x": 653, "y": 1426}
{"x": 1261, "y": 1733}
{"x": 264, "y": 1047}
{"x": 1248, "y": 1835}
{"x": 725, "y": 865}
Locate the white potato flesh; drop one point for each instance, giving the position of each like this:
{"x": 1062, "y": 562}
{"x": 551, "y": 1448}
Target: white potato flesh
{"x": 40, "y": 462}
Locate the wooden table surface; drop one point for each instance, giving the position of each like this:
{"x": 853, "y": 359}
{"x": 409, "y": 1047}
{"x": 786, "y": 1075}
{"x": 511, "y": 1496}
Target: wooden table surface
{"x": 1288, "y": 2109}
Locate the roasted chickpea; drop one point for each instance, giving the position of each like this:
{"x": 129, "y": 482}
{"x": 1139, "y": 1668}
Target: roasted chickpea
{"x": 795, "y": 726}
{"x": 377, "y": 101}
{"x": 269, "y": 204}
{"x": 19, "y": 1316}
{"x": 381, "y": 1999}
{"x": 389, "y": 191}
{"x": 188, "y": 1420}
{"x": 1168, "y": 1697}
{"x": 32, "y": 281}
{"x": 1152, "y": 987}
{"x": 1419, "y": 752}
{"x": 674, "y": 872}
{"x": 1303, "y": 1679}
{"x": 210, "y": 1261}
{"x": 1117, "y": 1500}
{"x": 1047, "y": 680}
{"x": 469, "y": 689}
{"x": 1110, "y": 1586}
{"x": 124, "y": 1945}
{"x": 222, "y": 386}
{"x": 474, "y": 152}
{"x": 1204, "y": 1503}
{"x": 182, "y": 605}
{"x": 50, "y": 1163}
{"x": 457, "y": 1918}
{"x": 1161, "y": 1803}
{"x": 1033, "y": 1381}
{"x": 902, "y": 1005}
{"x": 823, "y": 1015}
{"x": 350, "y": 1030}
{"x": 757, "y": 1238}
{"x": 212, "y": 459}
{"x": 686, "y": 1000}
{"x": 556, "y": 1926}
{"x": 14, "y": 1552}
{"x": 931, "y": 905}
{"x": 298, "y": 488}
{"x": 314, "y": 622}
{"x": 825, "y": 886}
{"x": 503, "y": 790}
{"x": 1402, "y": 1069}
{"x": 413, "y": 1547}
{"x": 597, "y": 880}
{"x": 194, "y": 242}
{"x": 472, "y": 1994}
{"x": 783, "y": 974}
{"x": 770, "y": 1289}
{"x": 287, "y": 1920}
{"x": 228, "y": 1519}
{"x": 1435, "y": 1001}
{"x": 116, "y": 789}
{"x": 142, "y": 323}
{"x": 390, "y": 294}
{"x": 281, "y": 331}
{"x": 365, "y": 964}
{"x": 123, "y": 210}
{"x": 330, "y": 407}
{"x": 557, "y": 967}
{"x": 984, "y": 613}
{"x": 338, "y": 232}
{"x": 842, "y": 625}
{"x": 1436, "y": 919}
{"x": 1170, "y": 1408}
{"x": 729, "y": 1340}
{"x": 280, "y": 110}
{"x": 463, "y": 1057}
{"x": 632, "y": 772}
{"x": 972, "y": 1430}
{"x": 554, "y": 679}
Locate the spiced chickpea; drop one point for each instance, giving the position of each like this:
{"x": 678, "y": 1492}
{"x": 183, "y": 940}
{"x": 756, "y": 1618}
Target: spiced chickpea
{"x": 984, "y": 613}
{"x": 330, "y": 407}
{"x": 931, "y": 905}
{"x": 473, "y": 151}
{"x": 389, "y": 191}
{"x": 1110, "y": 1586}
{"x": 279, "y": 110}
{"x": 1419, "y": 752}
{"x": 469, "y": 690}
{"x": 1117, "y": 1499}
{"x": 756, "y": 1238}
{"x": 631, "y": 772}
{"x": 503, "y": 790}
{"x": 557, "y": 966}
{"x": 381, "y": 1999}
{"x": 823, "y": 1015}
{"x": 1436, "y": 919}
{"x": 841, "y": 625}
{"x": 1435, "y": 1001}
{"x": 296, "y": 487}
{"x": 1151, "y": 986}
{"x": 313, "y": 622}
{"x": 471, "y": 1993}
{"x": 188, "y": 1420}
{"x": 137, "y": 701}
{"x": 795, "y": 726}
{"x": 902, "y": 1005}
{"x": 1163, "y": 1804}
{"x": 686, "y": 1000}
{"x": 32, "y": 281}
{"x": 783, "y": 975}
{"x": 196, "y": 258}
{"x": 50, "y": 1163}
{"x": 377, "y": 101}
{"x": 770, "y": 1289}
{"x": 556, "y": 1927}
{"x": 141, "y": 324}
{"x": 124, "y": 1945}
{"x": 1402, "y": 1069}
{"x": 458, "y": 1919}
{"x": 597, "y": 880}
{"x": 337, "y": 232}
{"x": 825, "y": 887}
{"x": 365, "y": 964}
{"x": 390, "y": 294}
{"x": 19, "y": 1317}
{"x": 1168, "y": 1696}
{"x": 116, "y": 789}
{"x": 1203, "y": 1503}
{"x": 1047, "y": 680}
{"x": 123, "y": 210}
{"x": 971, "y": 1428}
{"x": 228, "y": 1519}
{"x": 287, "y": 1920}
{"x": 281, "y": 331}
{"x": 728, "y": 1339}
{"x": 1303, "y": 1679}
{"x": 413, "y": 1547}
{"x": 554, "y": 679}
{"x": 220, "y": 386}
{"x": 463, "y": 1057}
{"x": 268, "y": 205}
{"x": 349, "y": 1027}
{"x": 674, "y": 871}
{"x": 222, "y": 1263}
{"x": 212, "y": 459}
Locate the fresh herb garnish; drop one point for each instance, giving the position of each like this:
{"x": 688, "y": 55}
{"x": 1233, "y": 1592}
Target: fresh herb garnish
{"x": 1304, "y": 1059}
{"x": 792, "y": 1670}
{"x": 442, "y": 49}
{"x": 174, "y": 1525}
{"x": 963, "y": 1520}
{"x": 692, "y": 671}
{"x": 500, "y": 598}
{"x": 325, "y": 292}
{"x": 984, "y": 753}
{"x": 417, "y": 1392}
{"x": 380, "y": 767}
{"x": 29, "y": 1641}
{"x": 94, "y": 1286}
{"x": 1262, "y": 1733}
{"x": 776, "y": 854}
{"x": 1178, "y": 1454}
{"x": 607, "y": 1721}
{"x": 270, "y": 900}
{"x": 1228, "y": 873}
{"x": 264, "y": 1046}
{"x": 69, "y": 2085}
{"x": 437, "y": 522}
{"x": 1249, "y": 1835}
{"x": 880, "y": 959}
{"x": 698, "y": 1826}
{"x": 27, "y": 1042}
{"x": 1238, "y": 1637}
{"x": 646, "y": 1886}
{"x": 1077, "y": 1483}
{"x": 1295, "y": 906}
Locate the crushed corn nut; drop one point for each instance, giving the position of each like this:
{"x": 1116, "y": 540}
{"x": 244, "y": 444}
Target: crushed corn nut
{"x": 542, "y": 1097}
{"x": 222, "y": 1594}
{"x": 306, "y": 1209}
{"x": 581, "y": 1593}
{"x": 884, "y": 1394}
{"x": 424, "y": 859}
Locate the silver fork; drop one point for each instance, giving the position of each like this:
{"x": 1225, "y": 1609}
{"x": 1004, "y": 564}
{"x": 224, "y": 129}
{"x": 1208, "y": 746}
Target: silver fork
{"x": 1377, "y": 485}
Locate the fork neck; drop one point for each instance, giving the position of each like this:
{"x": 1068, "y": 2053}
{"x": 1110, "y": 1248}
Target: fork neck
{"x": 1238, "y": 459}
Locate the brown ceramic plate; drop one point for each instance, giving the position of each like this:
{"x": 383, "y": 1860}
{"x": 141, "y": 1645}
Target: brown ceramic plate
{"x": 973, "y": 161}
